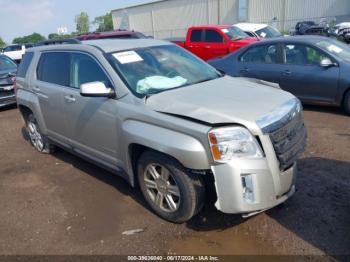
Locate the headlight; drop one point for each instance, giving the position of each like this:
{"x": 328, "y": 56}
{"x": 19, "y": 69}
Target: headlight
{"x": 233, "y": 142}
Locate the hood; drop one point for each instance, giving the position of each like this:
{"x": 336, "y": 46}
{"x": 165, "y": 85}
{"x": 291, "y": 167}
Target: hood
{"x": 223, "y": 100}
{"x": 343, "y": 25}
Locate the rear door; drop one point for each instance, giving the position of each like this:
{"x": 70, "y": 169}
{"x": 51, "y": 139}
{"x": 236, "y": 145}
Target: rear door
{"x": 52, "y": 77}
{"x": 92, "y": 122}
{"x": 261, "y": 62}
{"x": 194, "y": 42}
{"x": 302, "y": 75}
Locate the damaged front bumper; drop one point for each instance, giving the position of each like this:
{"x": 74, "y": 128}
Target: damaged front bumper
{"x": 248, "y": 187}
{"x": 7, "y": 96}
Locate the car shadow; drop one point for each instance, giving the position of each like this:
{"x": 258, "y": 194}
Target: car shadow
{"x": 9, "y": 107}
{"x": 319, "y": 212}
{"x": 118, "y": 182}
{"x": 324, "y": 109}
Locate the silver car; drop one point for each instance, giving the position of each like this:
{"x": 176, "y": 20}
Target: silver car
{"x": 164, "y": 120}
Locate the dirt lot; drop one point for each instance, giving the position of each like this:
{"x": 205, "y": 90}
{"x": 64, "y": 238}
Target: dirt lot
{"x": 60, "y": 204}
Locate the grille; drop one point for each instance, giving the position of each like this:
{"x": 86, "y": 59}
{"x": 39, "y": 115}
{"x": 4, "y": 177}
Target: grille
{"x": 4, "y": 93}
{"x": 290, "y": 141}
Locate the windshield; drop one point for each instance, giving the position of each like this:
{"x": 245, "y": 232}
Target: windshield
{"x": 6, "y": 63}
{"x": 155, "y": 69}
{"x": 234, "y": 33}
{"x": 336, "y": 48}
{"x": 268, "y": 32}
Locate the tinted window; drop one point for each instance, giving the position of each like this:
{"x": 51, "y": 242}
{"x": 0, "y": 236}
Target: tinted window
{"x": 6, "y": 63}
{"x": 54, "y": 68}
{"x": 85, "y": 69}
{"x": 261, "y": 54}
{"x": 302, "y": 55}
{"x": 23, "y": 66}
{"x": 212, "y": 36}
{"x": 13, "y": 48}
{"x": 196, "y": 36}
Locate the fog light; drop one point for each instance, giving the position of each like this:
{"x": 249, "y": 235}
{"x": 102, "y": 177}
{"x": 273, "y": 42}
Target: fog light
{"x": 248, "y": 188}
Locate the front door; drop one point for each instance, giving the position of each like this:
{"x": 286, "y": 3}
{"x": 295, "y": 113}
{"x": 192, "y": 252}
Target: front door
{"x": 214, "y": 45}
{"x": 302, "y": 75}
{"x": 92, "y": 121}
{"x": 260, "y": 62}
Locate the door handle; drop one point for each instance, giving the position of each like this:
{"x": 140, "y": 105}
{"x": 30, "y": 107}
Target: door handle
{"x": 287, "y": 73}
{"x": 35, "y": 88}
{"x": 207, "y": 47}
{"x": 70, "y": 99}
{"x": 245, "y": 70}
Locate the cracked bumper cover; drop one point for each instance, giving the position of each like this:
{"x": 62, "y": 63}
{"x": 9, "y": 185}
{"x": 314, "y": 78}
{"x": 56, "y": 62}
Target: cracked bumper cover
{"x": 229, "y": 188}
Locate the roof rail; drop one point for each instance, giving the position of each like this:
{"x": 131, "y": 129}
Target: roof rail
{"x": 59, "y": 42}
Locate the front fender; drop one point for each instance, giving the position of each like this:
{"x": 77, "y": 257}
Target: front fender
{"x": 188, "y": 150}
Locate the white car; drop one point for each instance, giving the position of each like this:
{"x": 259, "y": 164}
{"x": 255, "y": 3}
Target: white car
{"x": 259, "y": 30}
{"x": 15, "y": 52}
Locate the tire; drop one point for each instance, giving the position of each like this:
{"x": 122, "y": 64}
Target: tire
{"x": 172, "y": 192}
{"x": 346, "y": 103}
{"x": 37, "y": 139}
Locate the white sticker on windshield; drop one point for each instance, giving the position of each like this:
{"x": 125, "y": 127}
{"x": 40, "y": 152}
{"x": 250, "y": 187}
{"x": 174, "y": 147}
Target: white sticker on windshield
{"x": 335, "y": 49}
{"x": 128, "y": 57}
{"x": 225, "y": 30}
{"x": 263, "y": 34}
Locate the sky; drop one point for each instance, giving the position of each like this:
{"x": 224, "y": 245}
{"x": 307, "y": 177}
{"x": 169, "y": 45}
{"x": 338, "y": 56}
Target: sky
{"x": 23, "y": 17}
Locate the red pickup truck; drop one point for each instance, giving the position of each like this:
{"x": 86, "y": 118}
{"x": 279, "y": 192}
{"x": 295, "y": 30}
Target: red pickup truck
{"x": 214, "y": 41}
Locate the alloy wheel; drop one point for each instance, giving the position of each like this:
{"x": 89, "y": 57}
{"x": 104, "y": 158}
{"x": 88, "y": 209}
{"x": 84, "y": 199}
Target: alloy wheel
{"x": 162, "y": 188}
{"x": 35, "y": 136}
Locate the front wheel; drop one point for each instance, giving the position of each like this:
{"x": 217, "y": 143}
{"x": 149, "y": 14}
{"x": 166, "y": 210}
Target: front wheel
{"x": 171, "y": 191}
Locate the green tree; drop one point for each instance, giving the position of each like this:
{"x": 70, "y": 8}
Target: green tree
{"x": 104, "y": 23}
{"x": 33, "y": 38}
{"x": 53, "y": 36}
{"x": 2, "y": 43}
{"x": 83, "y": 23}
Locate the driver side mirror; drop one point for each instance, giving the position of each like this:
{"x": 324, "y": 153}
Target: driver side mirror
{"x": 326, "y": 63}
{"x": 96, "y": 89}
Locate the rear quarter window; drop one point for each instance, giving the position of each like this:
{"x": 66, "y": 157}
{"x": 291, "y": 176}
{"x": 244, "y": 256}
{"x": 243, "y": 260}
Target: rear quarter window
{"x": 24, "y": 65}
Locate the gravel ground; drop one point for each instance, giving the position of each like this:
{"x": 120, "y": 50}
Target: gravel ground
{"x": 60, "y": 204}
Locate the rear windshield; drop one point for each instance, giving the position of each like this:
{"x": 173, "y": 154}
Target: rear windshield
{"x": 234, "y": 33}
{"x": 12, "y": 48}
{"x": 268, "y": 32}
{"x": 6, "y": 63}
{"x": 24, "y": 65}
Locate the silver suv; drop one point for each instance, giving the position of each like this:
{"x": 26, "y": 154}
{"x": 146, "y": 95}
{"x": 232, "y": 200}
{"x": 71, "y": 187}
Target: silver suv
{"x": 163, "y": 119}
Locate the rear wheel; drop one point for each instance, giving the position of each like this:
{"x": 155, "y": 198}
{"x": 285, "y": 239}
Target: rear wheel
{"x": 37, "y": 139}
{"x": 346, "y": 104}
{"x": 171, "y": 191}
